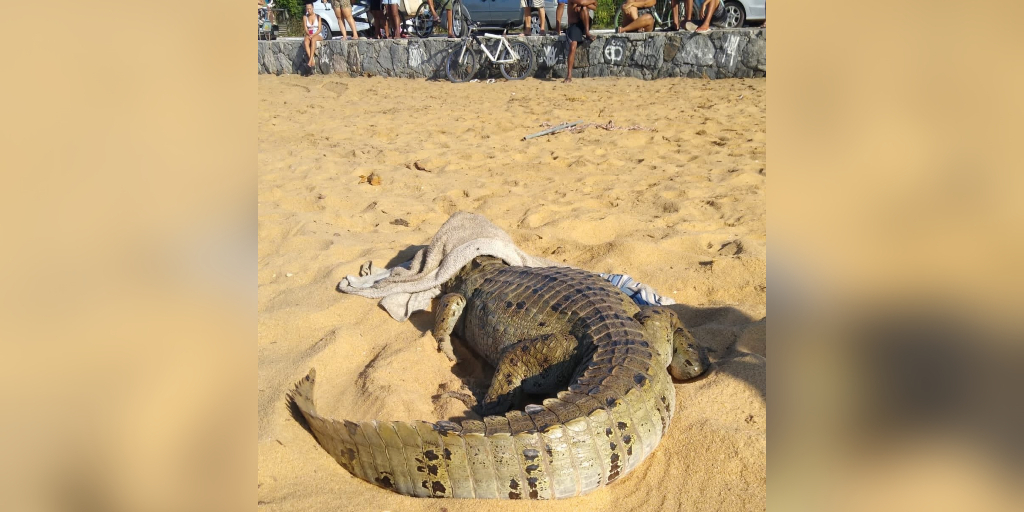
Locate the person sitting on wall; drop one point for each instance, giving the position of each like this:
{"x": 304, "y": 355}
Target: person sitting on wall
{"x": 637, "y": 16}
{"x": 447, "y": 6}
{"x": 312, "y": 34}
{"x": 708, "y": 11}
{"x": 579, "y": 27}
{"x": 562, "y": 4}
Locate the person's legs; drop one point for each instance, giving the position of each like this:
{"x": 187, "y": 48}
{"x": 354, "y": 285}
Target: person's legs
{"x": 396, "y": 20}
{"x": 644, "y": 23}
{"x": 312, "y": 47}
{"x": 305, "y": 46}
{"x": 526, "y": 20}
{"x": 569, "y": 62}
{"x": 543, "y": 24}
{"x": 558, "y": 18}
{"x": 341, "y": 21}
{"x": 378, "y": 18}
{"x": 675, "y": 14}
{"x": 689, "y": 10}
{"x": 706, "y": 11}
{"x": 451, "y": 21}
{"x": 351, "y": 22}
{"x": 585, "y": 18}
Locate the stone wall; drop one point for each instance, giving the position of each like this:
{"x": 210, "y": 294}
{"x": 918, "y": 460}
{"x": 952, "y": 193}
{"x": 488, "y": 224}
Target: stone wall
{"x": 736, "y": 53}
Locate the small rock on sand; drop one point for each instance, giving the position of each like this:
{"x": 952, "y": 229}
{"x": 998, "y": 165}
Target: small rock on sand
{"x": 731, "y": 248}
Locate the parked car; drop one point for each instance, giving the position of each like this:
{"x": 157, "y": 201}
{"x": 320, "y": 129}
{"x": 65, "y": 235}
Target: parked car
{"x": 497, "y": 13}
{"x": 331, "y": 28}
{"x": 741, "y": 12}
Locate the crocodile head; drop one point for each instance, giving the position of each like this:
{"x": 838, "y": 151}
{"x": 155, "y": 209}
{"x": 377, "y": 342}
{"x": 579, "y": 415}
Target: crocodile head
{"x": 689, "y": 360}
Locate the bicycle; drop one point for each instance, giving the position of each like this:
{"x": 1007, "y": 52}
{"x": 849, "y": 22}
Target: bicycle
{"x": 424, "y": 24}
{"x": 661, "y": 11}
{"x": 515, "y": 59}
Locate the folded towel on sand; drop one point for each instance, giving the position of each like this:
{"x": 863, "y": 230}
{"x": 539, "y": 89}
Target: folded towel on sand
{"x": 409, "y": 287}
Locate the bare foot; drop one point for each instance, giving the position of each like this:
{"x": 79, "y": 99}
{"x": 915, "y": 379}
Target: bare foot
{"x": 591, "y": 37}
{"x": 702, "y": 29}
{"x": 567, "y": 80}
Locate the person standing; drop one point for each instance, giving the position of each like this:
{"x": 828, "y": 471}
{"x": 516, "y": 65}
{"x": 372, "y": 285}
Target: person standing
{"x": 578, "y": 29}
{"x": 528, "y": 6}
{"x": 343, "y": 11}
{"x": 395, "y": 18}
{"x": 377, "y": 13}
{"x": 558, "y": 16}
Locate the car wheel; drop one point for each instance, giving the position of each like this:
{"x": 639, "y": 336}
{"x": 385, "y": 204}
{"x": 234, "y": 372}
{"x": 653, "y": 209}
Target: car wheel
{"x": 535, "y": 27}
{"x": 460, "y": 21}
{"x": 325, "y": 31}
{"x": 734, "y": 15}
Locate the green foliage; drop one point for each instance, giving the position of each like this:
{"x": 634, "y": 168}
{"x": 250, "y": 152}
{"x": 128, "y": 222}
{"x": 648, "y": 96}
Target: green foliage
{"x": 295, "y": 8}
{"x": 605, "y": 14}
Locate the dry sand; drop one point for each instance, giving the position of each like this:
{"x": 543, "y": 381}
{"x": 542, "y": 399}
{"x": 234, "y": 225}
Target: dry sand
{"x": 681, "y": 208}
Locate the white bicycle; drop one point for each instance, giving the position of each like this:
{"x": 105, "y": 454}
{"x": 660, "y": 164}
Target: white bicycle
{"x": 514, "y": 60}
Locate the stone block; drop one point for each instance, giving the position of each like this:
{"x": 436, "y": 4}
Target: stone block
{"x": 649, "y": 53}
{"x": 754, "y": 53}
{"x": 672, "y": 45}
{"x": 698, "y": 50}
{"x": 731, "y": 51}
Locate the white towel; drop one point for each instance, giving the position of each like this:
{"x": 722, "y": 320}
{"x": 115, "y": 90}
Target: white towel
{"x": 409, "y": 287}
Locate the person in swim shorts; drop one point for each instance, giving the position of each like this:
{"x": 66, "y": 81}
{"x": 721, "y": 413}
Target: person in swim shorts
{"x": 637, "y": 16}
{"x": 578, "y": 29}
{"x": 528, "y": 6}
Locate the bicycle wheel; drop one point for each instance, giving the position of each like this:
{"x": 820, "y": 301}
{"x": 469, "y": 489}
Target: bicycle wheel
{"x": 423, "y": 22}
{"x": 461, "y": 64}
{"x": 519, "y": 69}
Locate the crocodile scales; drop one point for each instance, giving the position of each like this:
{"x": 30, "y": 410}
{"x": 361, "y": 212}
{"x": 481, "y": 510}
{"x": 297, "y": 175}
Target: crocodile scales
{"x": 546, "y": 330}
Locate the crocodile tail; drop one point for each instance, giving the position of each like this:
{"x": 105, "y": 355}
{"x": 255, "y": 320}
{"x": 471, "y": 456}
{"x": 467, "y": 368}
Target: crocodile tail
{"x": 542, "y": 453}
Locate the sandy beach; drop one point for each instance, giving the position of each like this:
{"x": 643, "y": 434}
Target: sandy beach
{"x": 666, "y": 183}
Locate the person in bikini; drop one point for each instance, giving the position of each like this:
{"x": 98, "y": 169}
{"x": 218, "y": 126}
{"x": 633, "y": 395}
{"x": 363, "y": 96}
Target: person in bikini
{"x": 637, "y": 15}
{"x": 312, "y": 35}
{"x": 578, "y": 29}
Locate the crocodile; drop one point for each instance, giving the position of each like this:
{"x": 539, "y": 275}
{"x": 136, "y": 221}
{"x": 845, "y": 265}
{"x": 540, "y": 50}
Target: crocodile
{"x": 551, "y": 330}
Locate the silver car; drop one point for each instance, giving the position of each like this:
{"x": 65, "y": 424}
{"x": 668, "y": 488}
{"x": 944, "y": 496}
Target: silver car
{"x": 739, "y": 12}
{"x": 497, "y": 13}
